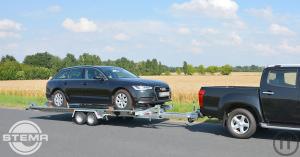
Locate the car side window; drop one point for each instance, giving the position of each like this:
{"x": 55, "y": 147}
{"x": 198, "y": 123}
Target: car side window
{"x": 76, "y": 74}
{"x": 62, "y": 75}
{"x": 92, "y": 73}
{"x": 282, "y": 78}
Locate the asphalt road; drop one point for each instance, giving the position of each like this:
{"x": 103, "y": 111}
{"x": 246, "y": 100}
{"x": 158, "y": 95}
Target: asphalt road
{"x": 136, "y": 138}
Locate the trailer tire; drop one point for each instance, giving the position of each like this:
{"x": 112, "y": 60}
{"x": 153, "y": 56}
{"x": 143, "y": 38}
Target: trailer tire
{"x": 241, "y": 123}
{"x": 91, "y": 119}
{"x": 122, "y": 100}
{"x": 59, "y": 99}
{"x": 80, "y": 118}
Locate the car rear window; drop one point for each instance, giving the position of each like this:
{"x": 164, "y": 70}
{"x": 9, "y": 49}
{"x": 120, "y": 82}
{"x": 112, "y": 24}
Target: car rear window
{"x": 282, "y": 78}
{"x": 76, "y": 74}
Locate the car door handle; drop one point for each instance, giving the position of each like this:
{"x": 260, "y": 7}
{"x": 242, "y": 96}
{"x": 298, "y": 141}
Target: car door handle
{"x": 84, "y": 83}
{"x": 269, "y": 93}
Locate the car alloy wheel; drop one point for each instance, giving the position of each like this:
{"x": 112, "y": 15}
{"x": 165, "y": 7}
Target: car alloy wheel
{"x": 58, "y": 99}
{"x": 121, "y": 100}
{"x": 240, "y": 124}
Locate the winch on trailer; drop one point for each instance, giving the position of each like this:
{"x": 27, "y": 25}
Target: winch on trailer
{"x": 82, "y": 114}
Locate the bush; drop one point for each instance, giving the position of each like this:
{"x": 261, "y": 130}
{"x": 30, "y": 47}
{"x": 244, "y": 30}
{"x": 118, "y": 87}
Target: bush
{"x": 178, "y": 71}
{"x": 8, "y": 70}
{"x": 212, "y": 69}
{"x": 33, "y": 73}
{"x": 20, "y": 75}
{"x": 226, "y": 69}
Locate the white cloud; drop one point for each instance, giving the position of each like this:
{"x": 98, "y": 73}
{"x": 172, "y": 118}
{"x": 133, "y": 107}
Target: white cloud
{"x": 280, "y": 30}
{"x": 235, "y": 38}
{"x": 183, "y": 30}
{"x": 209, "y": 31}
{"x": 109, "y": 49}
{"x": 4, "y": 34}
{"x": 286, "y": 47}
{"x": 9, "y": 28}
{"x": 54, "y": 9}
{"x": 211, "y": 8}
{"x": 266, "y": 13}
{"x": 83, "y": 25}
{"x": 121, "y": 37}
{"x": 7, "y": 24}
{"x": 264, "y": 49}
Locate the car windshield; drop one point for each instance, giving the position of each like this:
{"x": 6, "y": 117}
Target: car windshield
{"x": 116, "y": 72}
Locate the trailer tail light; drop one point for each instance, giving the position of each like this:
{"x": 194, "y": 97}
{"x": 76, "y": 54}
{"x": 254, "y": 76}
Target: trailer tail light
{"x": 201, "y": 94}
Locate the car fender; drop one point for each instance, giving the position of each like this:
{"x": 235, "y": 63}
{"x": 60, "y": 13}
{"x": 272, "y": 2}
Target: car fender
{"x": 243, "y": 100}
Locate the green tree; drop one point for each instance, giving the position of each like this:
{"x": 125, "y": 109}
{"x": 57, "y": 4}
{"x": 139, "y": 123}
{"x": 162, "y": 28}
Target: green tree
{"x": 69, "y": 60}
{"x": 88, "y": 59}
{"x": 212, "y": 69}
{"x": 178, "y": 71}
{"x": 39, "y": 60}
{"x": 201, "y": 69}
{"x": 8, "y": 70}
{"x": 226, "y": 69}
{"x": 185, "y": 68}
{"x": 190, "y": 69}
{"x": 8, "y": 58}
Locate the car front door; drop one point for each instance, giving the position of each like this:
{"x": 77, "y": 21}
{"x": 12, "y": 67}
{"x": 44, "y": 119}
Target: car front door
{"x": 280, "y": 95}
{"x": 97, "y": 89}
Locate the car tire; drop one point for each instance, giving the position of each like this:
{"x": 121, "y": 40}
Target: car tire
{"x": 80, "y": 118}
{"x": 241, "y": 123}
{"x": 58, "y": 99}
{"x": 122, "y": 100}
{"x": 91, "y": 119}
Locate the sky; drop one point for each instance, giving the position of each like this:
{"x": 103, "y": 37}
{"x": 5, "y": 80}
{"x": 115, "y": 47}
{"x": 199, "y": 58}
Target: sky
{"x": 208, "y": 32}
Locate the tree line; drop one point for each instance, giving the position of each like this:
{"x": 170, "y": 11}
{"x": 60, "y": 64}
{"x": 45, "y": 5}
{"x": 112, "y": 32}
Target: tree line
{"x": 43, "y": 65}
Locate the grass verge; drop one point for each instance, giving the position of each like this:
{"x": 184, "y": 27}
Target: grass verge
{"x": 20, "y": 102}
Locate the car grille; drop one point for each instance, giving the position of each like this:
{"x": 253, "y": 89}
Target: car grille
{"x": 162, "y": 89}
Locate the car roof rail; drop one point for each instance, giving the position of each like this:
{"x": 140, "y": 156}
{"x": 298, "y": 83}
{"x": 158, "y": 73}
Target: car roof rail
{"x": 284, "y": 65}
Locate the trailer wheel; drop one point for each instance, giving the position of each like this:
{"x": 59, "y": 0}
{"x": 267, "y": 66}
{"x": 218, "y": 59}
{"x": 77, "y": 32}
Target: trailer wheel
{"x": 190, "y": 120}
{"x": 80, "y": 118}
{"x": 91, "y": 119}
{"x": 241, "y": 123}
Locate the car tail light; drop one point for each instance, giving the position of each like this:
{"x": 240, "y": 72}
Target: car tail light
{"x": 200, "y": 97}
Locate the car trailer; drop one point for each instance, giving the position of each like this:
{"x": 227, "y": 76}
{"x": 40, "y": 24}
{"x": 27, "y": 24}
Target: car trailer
{"x": 84, "y": 113}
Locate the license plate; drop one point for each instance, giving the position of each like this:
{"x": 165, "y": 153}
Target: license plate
{"x": 164, "y": 94}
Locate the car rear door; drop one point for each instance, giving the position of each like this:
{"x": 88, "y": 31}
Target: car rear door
{"x": 280, "y": 95}
{"x": 74, "y": 85}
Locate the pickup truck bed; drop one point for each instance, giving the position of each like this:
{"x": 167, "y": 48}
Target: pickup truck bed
{"x": 219, "y": 98}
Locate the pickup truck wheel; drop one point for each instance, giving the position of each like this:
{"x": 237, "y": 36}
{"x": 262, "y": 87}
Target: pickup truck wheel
{"x": 122, "y": 100}
{"x": 241, "y": 123}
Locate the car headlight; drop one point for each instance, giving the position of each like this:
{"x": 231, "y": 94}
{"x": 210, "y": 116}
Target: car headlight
{"x": 141, "y": 87}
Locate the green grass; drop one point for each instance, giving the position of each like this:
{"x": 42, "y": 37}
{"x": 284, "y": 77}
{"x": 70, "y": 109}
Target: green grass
{"x": 12, "y": 101}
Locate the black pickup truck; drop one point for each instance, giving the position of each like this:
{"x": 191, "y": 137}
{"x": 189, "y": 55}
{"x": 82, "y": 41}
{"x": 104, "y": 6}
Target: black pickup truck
{"x": 275, "y": 104}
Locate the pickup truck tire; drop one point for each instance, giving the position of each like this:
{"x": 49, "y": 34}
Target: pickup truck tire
{"x": 241, "y": 123}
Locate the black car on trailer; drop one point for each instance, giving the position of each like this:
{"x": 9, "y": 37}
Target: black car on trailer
{"x": 105, "y": 86}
